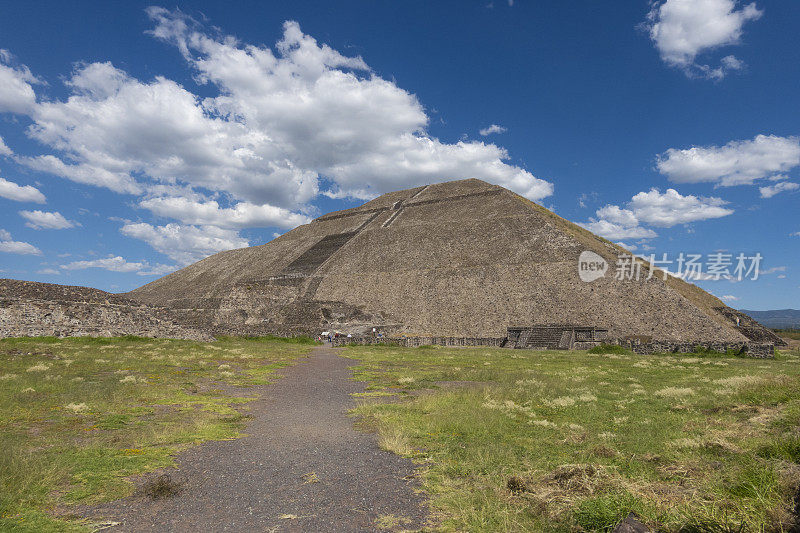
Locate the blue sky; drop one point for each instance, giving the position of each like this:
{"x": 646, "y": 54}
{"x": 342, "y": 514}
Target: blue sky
{"x": 137, "y": 139}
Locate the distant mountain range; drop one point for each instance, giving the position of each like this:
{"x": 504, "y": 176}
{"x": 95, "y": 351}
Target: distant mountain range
{"x": 779, "y": 318}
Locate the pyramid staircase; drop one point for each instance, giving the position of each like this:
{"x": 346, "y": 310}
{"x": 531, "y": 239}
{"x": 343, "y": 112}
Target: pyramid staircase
{"x": 522, "y": 340}
{"x": 544, "y": 338}
{"x": 552, "y": 337}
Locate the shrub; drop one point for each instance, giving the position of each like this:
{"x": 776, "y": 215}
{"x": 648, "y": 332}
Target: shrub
{"x": 610, "y": 349}
{"x": 299, "y": 339}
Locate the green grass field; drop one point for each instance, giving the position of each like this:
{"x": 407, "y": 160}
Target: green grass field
{"x": 570, "y": 441}
{"x": 79, "y": 416}
{"x": 506, "y": 440}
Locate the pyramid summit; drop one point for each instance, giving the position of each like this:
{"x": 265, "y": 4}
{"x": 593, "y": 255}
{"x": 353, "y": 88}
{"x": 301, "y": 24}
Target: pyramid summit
{"x": 457, "y": 259}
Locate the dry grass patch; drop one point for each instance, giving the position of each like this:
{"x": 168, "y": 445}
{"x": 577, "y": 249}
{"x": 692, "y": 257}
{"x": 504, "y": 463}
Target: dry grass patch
{"x": 674, "y": 392}
{"x": 396, "y": 442}
{"x": 391, "y": 521}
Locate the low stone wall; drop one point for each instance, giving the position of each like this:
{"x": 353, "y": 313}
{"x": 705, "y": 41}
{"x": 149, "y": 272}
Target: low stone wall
{"x": 760, "y": 351}
{"x": 750, "y": 349}
{"x": 414, "y": 342}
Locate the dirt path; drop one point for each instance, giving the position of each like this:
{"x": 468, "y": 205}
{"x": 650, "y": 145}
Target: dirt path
{"x": 260, "y": 482}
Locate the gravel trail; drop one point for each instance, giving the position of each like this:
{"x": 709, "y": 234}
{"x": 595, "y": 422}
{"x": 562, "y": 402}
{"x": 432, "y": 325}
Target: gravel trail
{"x": 301, "y": 467}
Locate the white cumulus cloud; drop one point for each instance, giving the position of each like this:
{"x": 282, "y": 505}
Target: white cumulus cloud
{"x": 617, "y": 215}
{"x": 10, "y": 246}
{"x": 85, "y": 173}
{"x": 4, "y": 149}
{"x": 20, "y": 193}
{"x": 736, "y": 163}
{"x": 209, "y": 213}
{"x": 46, "y": 220}
{"x": 494, "y": 128}
{"x": 671, "y": 208}
{"x": 771, "y": 190}
{"x": 16, "y": 91}
{"x": 684, "y": 29}
{"x": 280, "y": 118}
{"x": 120, "y": 264}
{"x": 653, "y": 208}
{"x": 185, "y": 244}
{"x": 615, "y": 231}
{"x": 329, "y": 114}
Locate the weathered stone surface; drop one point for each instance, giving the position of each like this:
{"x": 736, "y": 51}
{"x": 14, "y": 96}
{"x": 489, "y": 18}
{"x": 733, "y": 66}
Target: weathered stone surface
{"x": 34, "y": 309}
{"x": 462, "y": 259}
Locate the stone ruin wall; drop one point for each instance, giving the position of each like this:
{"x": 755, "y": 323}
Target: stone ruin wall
{"x": 34, "y": 318}
{"x": 750, "y": 349}
{"x": 416, "y": 342}
{"x": 755, "y": 350}
{"x": 29, "y": 309}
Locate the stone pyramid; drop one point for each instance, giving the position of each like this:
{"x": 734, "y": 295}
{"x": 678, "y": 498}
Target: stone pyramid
{"x": 460, "y": 258}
